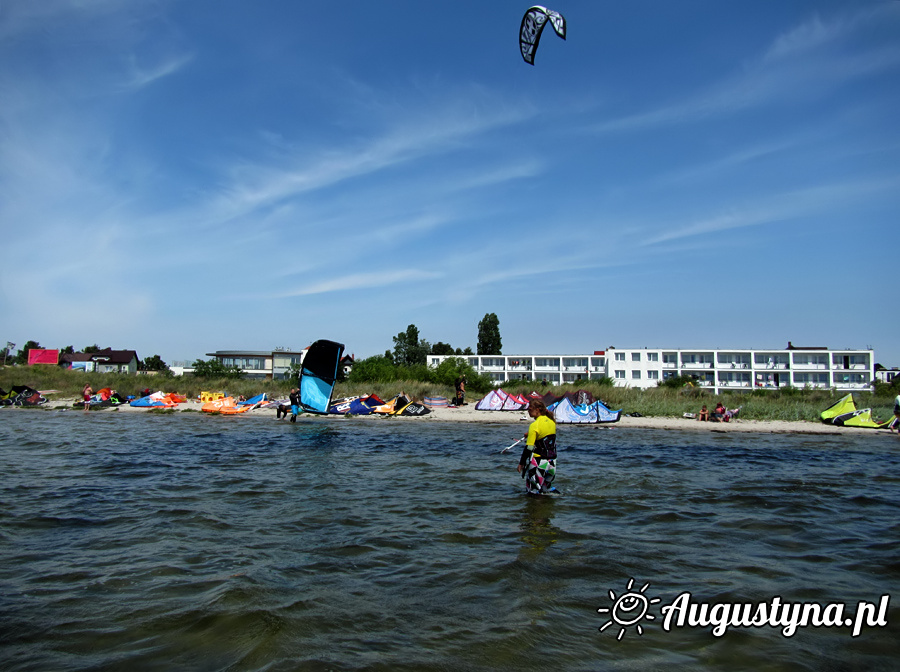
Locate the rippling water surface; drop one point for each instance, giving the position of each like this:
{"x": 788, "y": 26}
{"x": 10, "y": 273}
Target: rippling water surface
{"x": 160, "y": 542}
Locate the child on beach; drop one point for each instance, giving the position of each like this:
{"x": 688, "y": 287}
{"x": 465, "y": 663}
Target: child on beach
{"x": 704, "y": 414}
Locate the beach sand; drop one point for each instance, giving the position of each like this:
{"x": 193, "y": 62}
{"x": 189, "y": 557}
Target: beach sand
{"x": 468, "y": 413}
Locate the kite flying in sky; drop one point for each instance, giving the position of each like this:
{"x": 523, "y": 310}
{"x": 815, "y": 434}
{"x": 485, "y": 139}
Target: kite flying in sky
{"x": 533, "y": 25}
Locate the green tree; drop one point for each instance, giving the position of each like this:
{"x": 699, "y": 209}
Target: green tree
{"x": 409, "y": 349}
{"x": 379, "y": 368}
{"x": 441, "y": 348}
{"x": 68, "y": 350}
{"x": 152, "y": 363}
{"x": 92, "y": 348}
{"x": 155, "y": 363}
{"x": 677, "y": 382}
{"x": 452, "y": 368}
{"x": 489, "y": 342}
{"x": 22, "y": 355}
{"x": 213, "y": 368}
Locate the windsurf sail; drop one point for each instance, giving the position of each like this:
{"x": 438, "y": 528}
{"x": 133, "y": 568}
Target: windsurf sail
{"x": 318, "y": 375}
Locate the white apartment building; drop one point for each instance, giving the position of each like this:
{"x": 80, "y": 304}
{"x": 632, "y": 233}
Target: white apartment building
{"x": 265, "y": 364}
{"x": 717, "y": 370}
{"x": 555, "y": 369}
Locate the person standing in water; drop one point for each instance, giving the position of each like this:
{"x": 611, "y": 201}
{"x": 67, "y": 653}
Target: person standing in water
{"x": 897, "y": 413}
{"x": 295, "y": 403}
{"x": 538, "y": 461}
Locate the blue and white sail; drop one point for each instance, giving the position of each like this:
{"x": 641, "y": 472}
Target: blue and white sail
{"x": 318, "y": 374}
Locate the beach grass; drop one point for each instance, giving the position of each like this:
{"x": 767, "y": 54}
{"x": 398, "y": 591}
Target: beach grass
{"x": 788, "y": 404}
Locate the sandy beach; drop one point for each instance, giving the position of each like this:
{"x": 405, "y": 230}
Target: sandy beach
{"x": 468, "y": 413}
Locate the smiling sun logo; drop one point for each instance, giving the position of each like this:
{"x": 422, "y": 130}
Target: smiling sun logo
{"x": 628, "y": 609}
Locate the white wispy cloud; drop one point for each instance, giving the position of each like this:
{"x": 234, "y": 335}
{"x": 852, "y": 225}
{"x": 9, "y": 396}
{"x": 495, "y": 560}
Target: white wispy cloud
{"x": 816, "y": 56}
{"x": 364, "y": 281}
{"x": 139, "y": 76}
{"x": 731, "y": 161}
{"x": 255, "y": 185}
{"x": 778, "y": 208}
{"x": 816, "y": 31}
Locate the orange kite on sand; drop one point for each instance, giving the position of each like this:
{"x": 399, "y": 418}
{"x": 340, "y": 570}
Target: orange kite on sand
{"x": 226, "y": 406}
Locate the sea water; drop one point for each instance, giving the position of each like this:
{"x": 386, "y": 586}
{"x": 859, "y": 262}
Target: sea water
{"x": 184, "y": 541}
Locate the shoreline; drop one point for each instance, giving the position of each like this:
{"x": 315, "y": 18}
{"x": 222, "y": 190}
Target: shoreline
{"x": 469, "y": 414}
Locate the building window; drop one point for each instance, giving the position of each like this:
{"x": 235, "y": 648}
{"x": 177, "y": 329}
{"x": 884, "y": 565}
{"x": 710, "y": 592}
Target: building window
{"x": 245, "y": 362}
{"x": 636, "y": 375}
{"x": 635, "y": 356}
{"x": 620, "y": 374}
{"x": 620, "y": 356}
{"x": 653, "y": 375}
{"x": 652, "y": 356}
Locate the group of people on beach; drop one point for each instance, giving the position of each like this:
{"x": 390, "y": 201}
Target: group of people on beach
{"x": 720, "y": 414}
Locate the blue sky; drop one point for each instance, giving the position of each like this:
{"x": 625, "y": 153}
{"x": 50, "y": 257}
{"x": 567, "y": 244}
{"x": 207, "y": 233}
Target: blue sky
{"x": 184, "y": 177}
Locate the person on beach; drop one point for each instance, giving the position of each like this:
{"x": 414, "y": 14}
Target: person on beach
{"x": 704, "y": 414}
{"x": 295, "y": 403}
{"x": 538, "y": 461}
{"x": 86, "y": 394}
{"x": 461, "y": 391}
{"x": 897, "y": 413}
{"x": 719, "y": 413}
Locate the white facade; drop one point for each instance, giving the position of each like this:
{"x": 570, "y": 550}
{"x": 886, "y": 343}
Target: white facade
{"x": 555, "y": 369}
{"x": 716, "y": 370}
{"x": 270, "y": 364}
{"x": 887, "y": 375}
